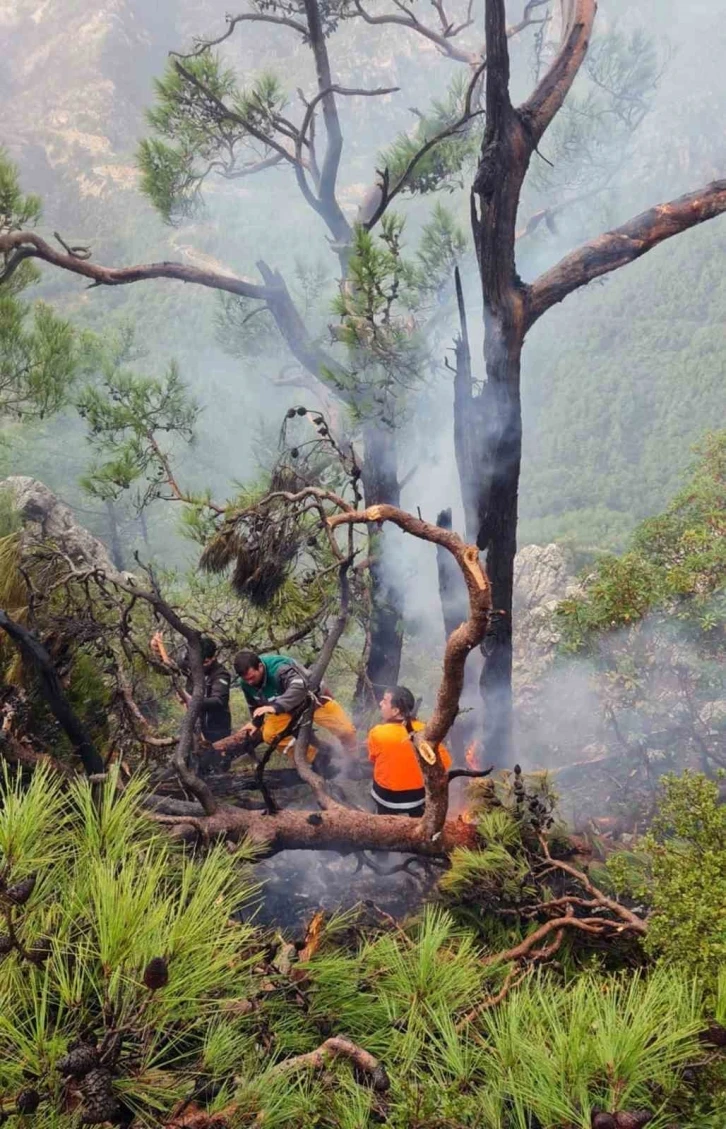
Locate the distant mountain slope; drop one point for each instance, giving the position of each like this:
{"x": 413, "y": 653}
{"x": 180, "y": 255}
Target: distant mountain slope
{"x": 620, "y": 382}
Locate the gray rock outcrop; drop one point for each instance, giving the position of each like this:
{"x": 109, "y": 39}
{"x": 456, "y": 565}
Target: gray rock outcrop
{"x": 46, "y": 519}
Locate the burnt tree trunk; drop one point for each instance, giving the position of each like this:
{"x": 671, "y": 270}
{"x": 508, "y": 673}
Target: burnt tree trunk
{"x": 379, "y": 473}
{"x": 505, "y": 155}
{"x": 496, "y": 535}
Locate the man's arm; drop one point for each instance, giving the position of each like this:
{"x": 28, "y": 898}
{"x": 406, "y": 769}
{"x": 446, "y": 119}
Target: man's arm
{"x": 294, "y": 690}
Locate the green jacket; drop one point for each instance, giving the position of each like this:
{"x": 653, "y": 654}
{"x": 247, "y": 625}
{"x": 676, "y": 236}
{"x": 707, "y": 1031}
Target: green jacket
{"x": 285, "y": 686}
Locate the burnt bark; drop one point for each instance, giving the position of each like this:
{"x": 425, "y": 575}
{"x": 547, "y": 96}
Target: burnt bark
{"x": 379, "y": 473}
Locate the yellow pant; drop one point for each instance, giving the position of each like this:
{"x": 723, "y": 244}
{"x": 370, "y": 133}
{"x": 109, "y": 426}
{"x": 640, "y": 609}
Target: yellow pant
{"x": 330, "y": 716}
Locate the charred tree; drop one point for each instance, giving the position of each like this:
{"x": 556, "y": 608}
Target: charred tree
{"x": 488, "y": 423}
{"x": 381, "y": 487}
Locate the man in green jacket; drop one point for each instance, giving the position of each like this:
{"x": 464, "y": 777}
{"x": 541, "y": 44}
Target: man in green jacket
{"x": 276, "y": 688}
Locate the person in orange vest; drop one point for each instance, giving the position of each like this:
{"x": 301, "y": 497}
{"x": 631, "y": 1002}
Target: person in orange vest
{"x": 398, "y": 783}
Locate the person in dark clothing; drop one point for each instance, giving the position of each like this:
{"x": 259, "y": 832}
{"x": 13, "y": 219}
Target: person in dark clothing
{"x": 215, "y": 718}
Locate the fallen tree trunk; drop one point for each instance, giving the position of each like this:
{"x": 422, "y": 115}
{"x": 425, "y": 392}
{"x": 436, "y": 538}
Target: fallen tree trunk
{"x": 337, "y": 829}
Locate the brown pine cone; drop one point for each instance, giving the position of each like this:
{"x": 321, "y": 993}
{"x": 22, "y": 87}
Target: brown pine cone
{"x": 21, "y": 891}
{"x": 715, "y": 1035}
{"x": 156, "y": 974}
{"x": 635, "y": 1120}
{"x": 78, "y": 1062}
{"x": 603, "y": 1120}
{"x": 27, "y": 1101}
{"x": 6, "y": 944}
{"x": 99, "y": 1103}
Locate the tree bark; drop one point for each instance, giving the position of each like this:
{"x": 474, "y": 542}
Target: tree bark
{"x": 117, "y": 553}
{"x": 494, "y": 414}
{"x": 379, "y": 472}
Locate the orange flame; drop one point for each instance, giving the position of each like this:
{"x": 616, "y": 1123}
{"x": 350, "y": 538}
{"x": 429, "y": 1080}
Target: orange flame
{"x": 313, "y": 936}
{"x": 472, "y": 759}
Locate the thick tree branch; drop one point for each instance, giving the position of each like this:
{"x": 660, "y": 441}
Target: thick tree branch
{"x": 623, "y": 245}
{"x": 548, "y": 96}
{"x": 336, "y": 829}
{"x": 33, "y": 246}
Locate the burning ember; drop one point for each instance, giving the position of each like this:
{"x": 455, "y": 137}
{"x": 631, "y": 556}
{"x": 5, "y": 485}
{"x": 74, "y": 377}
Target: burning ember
{"x": 472, "y": 756}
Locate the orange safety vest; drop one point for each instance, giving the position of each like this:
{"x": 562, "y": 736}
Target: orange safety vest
{"x": 395, "y": 764}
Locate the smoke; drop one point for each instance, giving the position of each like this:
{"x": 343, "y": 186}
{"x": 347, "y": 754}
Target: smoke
{"x": 604, "y": 376}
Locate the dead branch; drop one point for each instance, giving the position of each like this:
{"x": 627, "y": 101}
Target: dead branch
{"x": 335, "y": 829}
{"x": 513, "y": 979}
{"x": 203, "y": 45}
{"x": 623, "y": 245}
{"x": 337, "y": 1046}
{"x": 19, "y": 245}
{"x": 632, "y": 920}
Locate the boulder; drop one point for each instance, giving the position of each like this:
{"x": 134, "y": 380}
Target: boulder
{"x": 46, "y": 519}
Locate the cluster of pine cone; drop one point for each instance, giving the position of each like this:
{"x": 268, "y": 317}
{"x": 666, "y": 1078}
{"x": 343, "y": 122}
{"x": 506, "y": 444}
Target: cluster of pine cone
{"x": 95, "y": 1082}
{"x": 622, "y": 1120}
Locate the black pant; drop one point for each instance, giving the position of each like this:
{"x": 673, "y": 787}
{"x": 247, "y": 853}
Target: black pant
{"x": 415, "y": 813}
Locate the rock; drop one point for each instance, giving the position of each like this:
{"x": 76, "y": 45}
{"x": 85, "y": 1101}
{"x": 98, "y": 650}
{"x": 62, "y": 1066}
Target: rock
{"x": 48, "y": 520}
{"x": 543, "y": 576}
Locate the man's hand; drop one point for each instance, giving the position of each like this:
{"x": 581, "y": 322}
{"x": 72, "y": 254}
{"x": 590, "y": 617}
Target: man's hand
{"x": 247, "y": 729}
{"x": 262, "y": 710}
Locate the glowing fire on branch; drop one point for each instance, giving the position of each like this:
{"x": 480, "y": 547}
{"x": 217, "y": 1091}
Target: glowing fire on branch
{"x": 472, "y": 755}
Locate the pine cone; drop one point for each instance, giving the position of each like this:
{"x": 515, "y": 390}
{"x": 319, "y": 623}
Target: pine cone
{"x": 79, "y": 1061}
{"x": 99, "y": 1104}
{"x": 21, "y": 891}
{"x": 635, "y": 1120}
{"x": 40, "y": 951}
{"x": 603, "y": 1121}
{"x": 6, "y": 944}
{"x": 715, "y": 1034}
{"x": 27, "y": 1101}
{"x": 156, "y": 974}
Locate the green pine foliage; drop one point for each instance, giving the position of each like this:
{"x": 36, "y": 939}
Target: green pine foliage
{"x": 443, "y": 167}
{"x": 677, "y": 563}
{"x": 681, "y": 869}
{"x": 38, "y": 350}
{"x": 126, "y": 947}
